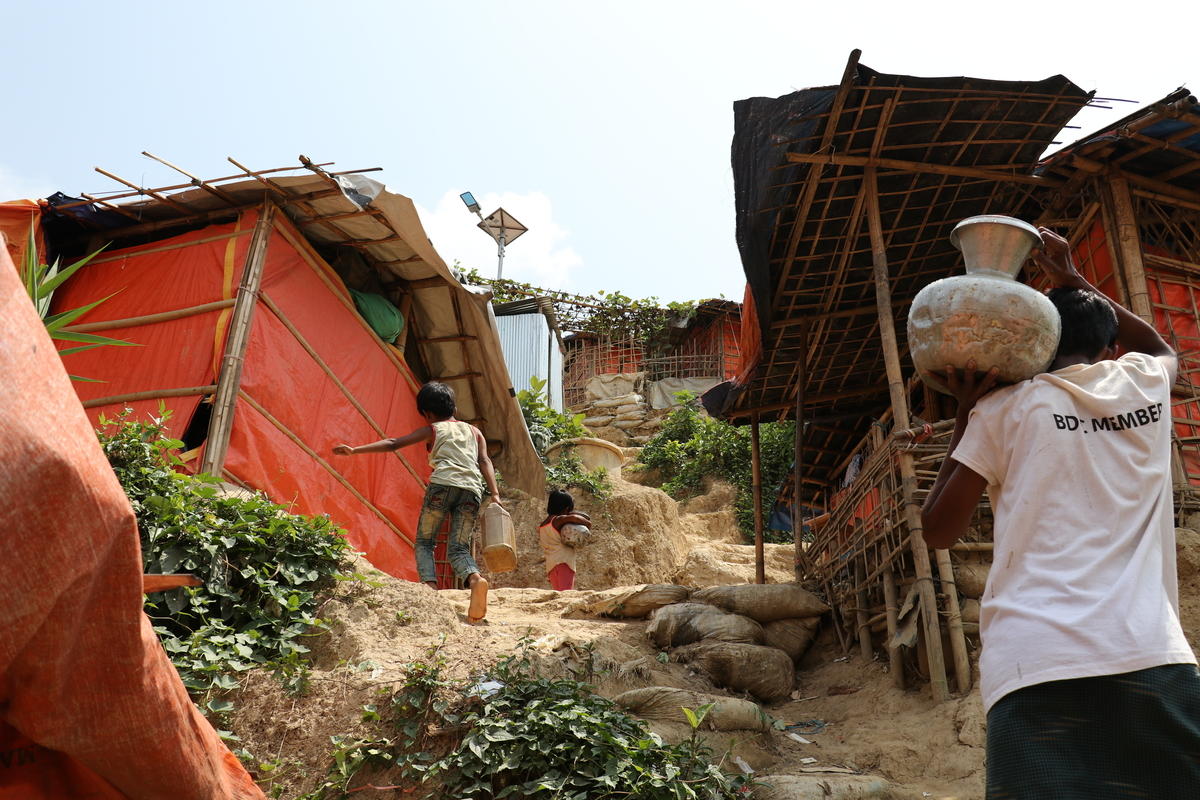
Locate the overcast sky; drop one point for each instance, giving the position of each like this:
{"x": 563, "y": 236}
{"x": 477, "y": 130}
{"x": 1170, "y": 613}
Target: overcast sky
{"x": 604, "y": 127}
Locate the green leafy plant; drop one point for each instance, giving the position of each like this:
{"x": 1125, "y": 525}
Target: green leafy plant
{"x": 264, "y": 570}
{"x": 512, "y": 733}
{"x": 692, "y": 447}
{"x": 40, "y": 281}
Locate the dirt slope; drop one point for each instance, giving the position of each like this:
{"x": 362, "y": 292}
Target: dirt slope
{"x": 898, "y": 744}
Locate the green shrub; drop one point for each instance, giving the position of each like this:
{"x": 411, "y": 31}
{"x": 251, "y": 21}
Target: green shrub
{"x": 547, "y": 426}
{"x": 692, "y": 447}
{"x": 263, "y": 568}
{"x": 525, "y": 737}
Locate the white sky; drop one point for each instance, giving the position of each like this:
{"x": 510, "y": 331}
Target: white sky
{"x": 604, "y": 127}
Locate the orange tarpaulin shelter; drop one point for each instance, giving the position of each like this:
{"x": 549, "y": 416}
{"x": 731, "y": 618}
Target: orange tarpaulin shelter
{"x": 90, "y": 706}
{"x": 244, "y": 331}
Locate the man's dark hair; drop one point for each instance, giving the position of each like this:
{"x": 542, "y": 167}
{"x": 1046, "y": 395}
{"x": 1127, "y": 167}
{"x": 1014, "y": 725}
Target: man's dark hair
{"x": 437, "y": 399}
{"x": 1089, "y": 323}
{"x": 560, "y": 503}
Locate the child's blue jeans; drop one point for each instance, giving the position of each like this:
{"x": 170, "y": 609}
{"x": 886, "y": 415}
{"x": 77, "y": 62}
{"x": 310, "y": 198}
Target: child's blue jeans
{"x": 463, "y": 507}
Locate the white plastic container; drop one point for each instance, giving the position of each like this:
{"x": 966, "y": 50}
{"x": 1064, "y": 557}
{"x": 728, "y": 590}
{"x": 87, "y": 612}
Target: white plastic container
{"x": 499, "y": 539}
{"x": 985, "y": 315}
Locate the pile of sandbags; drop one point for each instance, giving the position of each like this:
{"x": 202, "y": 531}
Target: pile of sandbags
{"x": 626, "y": 420}
{"x": 746, "y": 637}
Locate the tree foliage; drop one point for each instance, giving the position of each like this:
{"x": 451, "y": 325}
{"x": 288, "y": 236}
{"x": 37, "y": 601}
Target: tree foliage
{"x": 692, "y": 447}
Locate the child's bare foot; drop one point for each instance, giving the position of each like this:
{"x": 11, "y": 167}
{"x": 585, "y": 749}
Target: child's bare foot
{"x": 477, "y": 609}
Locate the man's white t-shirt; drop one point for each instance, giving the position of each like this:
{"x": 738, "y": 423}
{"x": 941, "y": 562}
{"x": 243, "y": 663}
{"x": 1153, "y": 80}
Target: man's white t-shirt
{"x": 1083, "y": 579}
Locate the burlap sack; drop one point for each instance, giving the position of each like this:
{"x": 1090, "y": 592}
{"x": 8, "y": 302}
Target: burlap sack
{"x": 792, "y": 636}
{"x": 971, "y": 579}
{"x": 765, "y": 602}
{"x": 683, "y": 623}
{"x": 764, "y": 672}
{"x": 667, "y": 703}
{"x": 638, "y": 603}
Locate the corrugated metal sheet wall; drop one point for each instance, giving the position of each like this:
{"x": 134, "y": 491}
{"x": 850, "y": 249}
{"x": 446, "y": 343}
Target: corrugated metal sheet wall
{"x": 530, "y": 349}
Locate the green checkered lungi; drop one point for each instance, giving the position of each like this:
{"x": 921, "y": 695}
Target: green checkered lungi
{"x": 1134, "y": 735}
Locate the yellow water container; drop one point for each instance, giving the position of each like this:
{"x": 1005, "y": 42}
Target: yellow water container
{"x": 499, "y": 540}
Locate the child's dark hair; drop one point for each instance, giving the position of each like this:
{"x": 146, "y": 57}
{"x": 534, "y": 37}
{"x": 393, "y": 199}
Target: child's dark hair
{"x": 1089, "y": 323}
{"x": 560, "y": 503}
{"x": 436, "y": 399}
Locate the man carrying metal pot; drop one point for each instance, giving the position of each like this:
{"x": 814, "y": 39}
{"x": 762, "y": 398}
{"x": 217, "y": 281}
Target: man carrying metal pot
{"x": 1090, "y": 687}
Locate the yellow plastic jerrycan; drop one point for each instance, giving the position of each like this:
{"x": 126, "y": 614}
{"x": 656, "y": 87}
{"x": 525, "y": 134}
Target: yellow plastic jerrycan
{"x": 499, "y": 540}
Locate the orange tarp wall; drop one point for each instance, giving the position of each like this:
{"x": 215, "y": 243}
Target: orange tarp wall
{"x": 290, "y": 412}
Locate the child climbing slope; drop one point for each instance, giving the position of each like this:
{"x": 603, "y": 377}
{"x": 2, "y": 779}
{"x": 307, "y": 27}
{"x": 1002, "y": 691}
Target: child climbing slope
{"x": 563, "y": 528}
{"x": 461, "y": 469}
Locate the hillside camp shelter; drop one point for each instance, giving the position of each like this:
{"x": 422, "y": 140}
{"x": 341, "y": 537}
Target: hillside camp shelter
{"x": 699, "y": 350}
{"x": 845, "y": 198}
{"x": 251, "y": 300}
{"x": 533, "y": 345}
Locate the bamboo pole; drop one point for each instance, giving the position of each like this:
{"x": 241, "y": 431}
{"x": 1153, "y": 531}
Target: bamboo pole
{"x": 150, "y": 394}
{"x": 891, "y": 602}
{"x": 863, "y": 615}
{"x": 320, "y": 362}
{"x": 166, "y": 247}
{"x": 798, "y": 459}
{"x": 908, "y": 478}
{"x": 337, "y": 476}
{"x": 230, "y": 378}
{"x": 1129, "y": 246}
{"x": 760, "y": 568}
{"x": 920, "y": 167}
{"x": 149, "y": 319}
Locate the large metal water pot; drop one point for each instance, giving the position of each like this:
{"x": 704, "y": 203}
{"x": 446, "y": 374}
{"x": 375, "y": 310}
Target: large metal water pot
{"x": 985, "y": 315}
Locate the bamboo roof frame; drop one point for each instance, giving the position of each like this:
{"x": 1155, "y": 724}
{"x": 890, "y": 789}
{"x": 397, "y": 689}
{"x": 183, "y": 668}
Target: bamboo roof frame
{"x": 942, "y": 149}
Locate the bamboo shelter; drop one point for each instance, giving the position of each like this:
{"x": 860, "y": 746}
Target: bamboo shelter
{"x": 277, "y": 313}
{"x": 846, "y": 196}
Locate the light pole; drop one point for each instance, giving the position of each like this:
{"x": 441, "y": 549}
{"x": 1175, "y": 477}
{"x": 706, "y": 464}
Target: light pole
{"x": 500, "y": 225}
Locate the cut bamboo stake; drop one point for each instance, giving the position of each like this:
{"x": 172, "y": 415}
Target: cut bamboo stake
{"x": 149, "y": 394}
{"x": 320, "y": 362}
{"x": 890, "y": 599}
{"x": 149, "y": 319}
{"x": 760, "y": 568}
{"x": 908, "y": 478}
{"x": 229, "y": 380}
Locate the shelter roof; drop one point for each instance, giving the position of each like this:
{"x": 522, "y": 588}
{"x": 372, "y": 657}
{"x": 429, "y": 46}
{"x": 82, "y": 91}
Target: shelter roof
{"x": 1157, "y": 147}
{"x": 456, "y": 334}
{"x": 943, "y": 149}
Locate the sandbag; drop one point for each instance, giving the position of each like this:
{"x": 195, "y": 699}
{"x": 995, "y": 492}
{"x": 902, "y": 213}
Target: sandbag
{"x": 792, "y": 636}
{"x": 820, "y": 785}
{"x": 616, "y": 402}
{"x": 666, "y": 703}
{"x": 971, "y": 579}
{"x": 598, "y": 422}
{"x": 764, "y": 672}
{"x": 684, "y": 623}
{"x": 638, "y": 603}
{"x": 626, "y": 424}
{"x": 763, "y": 602}
{"x": 970, "y": 609}
{"x": 637, "y": 408}
{"x": 624, "y": 416}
